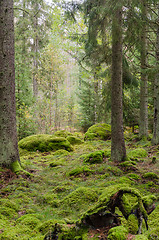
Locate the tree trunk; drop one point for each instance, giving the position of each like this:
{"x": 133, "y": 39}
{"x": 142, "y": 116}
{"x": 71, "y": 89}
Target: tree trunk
{"x": 143, "y": 124}
{"x": 118, "y": 150}
{"x": 155, "y": 139}
{"x": 9, "y": 155}
{"x": 36, "y": 45}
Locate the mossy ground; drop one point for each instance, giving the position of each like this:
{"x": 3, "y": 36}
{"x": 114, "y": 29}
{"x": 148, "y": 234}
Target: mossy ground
{"x": 64, "y": 187}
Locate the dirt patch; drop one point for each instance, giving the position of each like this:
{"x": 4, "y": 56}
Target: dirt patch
{"x": 6, "y": 177}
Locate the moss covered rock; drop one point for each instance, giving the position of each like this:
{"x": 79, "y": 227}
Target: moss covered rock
{"x": 62, "y": 133}
{"x": 94, "y": 157}
{"x": 154, "y": 224}
{"x": 150, "y": 176}
{"x": 117, "y": 233}
{"x": 8, "y": 212}
{"x": 79, "y": 170}
{"x": 141, "y": 237}
{"x": 44, "y": 143}
{"x": 137, "y": 153}
{"x": 100, "y": 131}
{"x": 74, "y": 140}
{"x": 80, "y": 198}
{"x": 29, "y": 220}
{"x": 48, "y": 225}
{"x": 8, "y": 203}
{"x": 132, "y": 224}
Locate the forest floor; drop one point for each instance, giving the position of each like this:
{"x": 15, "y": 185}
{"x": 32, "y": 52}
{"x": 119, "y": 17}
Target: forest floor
{"x": 63, "y": 187}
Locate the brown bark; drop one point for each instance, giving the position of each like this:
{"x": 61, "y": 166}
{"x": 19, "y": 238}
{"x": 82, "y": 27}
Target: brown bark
{"x": 8, "y": 134}
{"x": 143, "y": 125}
{"x": 155, "y": 139}
{"x": 118, "y": 150}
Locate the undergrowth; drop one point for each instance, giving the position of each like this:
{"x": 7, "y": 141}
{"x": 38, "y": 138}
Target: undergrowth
{"x": 64, "y": 186}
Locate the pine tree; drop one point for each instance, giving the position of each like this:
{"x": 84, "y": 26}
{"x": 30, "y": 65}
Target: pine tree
{"x": 9, "y": 155}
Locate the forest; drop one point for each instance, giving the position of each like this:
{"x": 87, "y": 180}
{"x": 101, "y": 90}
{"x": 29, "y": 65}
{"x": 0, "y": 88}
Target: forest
{"x": 79, "y": 119}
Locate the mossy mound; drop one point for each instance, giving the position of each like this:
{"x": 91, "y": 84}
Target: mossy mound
{"x": 118, "y": 233}
{"x": 80, "y": 198}
{"x": 48, "y": 225}
{"x": 154, "y": 223}
{"x": 114, "y": 171}
{"x": 150, "y": 176}
{"x": 8, "y": 203}
{"x": 148, "y": 200}
{"x": 121, "y": 196}
{"x": 8, "y": 212}
{"x": 74, "y": 140}
{"x": 62, "y": 133}
{"x": 128, "y": 166}
{"x": 137, "y": 153}
{"x": 142, "y": 237}
{"x": 94, "y": 157}
{"x": 80, "y": 170}
{"x": 44, "y": 143}
{"x": 134, "y": 176}
{"x": 29, "y": 220}
{"x": 132, "y": 224}
{"x": 99, "y": 131}
{"x": 65, "y": 232}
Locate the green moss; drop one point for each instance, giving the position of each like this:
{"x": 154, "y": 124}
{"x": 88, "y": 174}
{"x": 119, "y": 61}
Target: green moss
{"x": 149, "y": 200}
{"x": 8, "y": 203}
{"x": 153, "y": 220}
{"x": 66, "y": 232}
{"x": 132, "y": 224}
{"x": 104, "y": 201}
{"x": 77, "y": 171}
{"x": 134, "y": 176}
{"x": 29, "y": 220}
{"x": 56, "y": 163}
{"x": 8, "y": 212}
{"x": 150, "y": 176}
{"x": 81, "y": 198}
{"x": 94, "y": 157}
{"x": 74, "y": 140}
{"x": 115, "y": 171}
{"x": 100, "y": 131}
{"x": 151, "y": 184}
{"x": 141, "y": 237}
{"x": 44, "y": 143}
{"x": 47, "y": 198}
{"x": 153, "y": 234}
{"x": 107, "y": 153}
{"x": 137, "y": 153}
{"x": 62, "y": 133}
{"x": 117, "y": 233}
{"x": 60, "y": 152}
{"x": 48, "y": 225}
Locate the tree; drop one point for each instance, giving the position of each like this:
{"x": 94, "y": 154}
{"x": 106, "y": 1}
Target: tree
{"x": 118, "y": 150}
{"x": 9, "y": 155}
{"x": 155, "y": 139}
{"x": 143, "y": 126}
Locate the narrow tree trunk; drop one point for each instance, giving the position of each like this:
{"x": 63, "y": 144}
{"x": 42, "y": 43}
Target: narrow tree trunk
{"x": 36, "y": 43}
{"x": 9, "y": 155}
{"x": 155, "y": 139}
{"x": 118, "y": 150}
{"x": 143, "y": 124}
